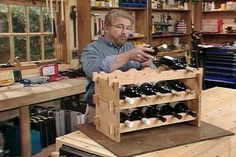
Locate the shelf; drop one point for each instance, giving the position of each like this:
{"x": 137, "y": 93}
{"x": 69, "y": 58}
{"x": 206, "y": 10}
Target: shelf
{"x": 170, "y": 10}
{"x": 109, "y": 104}
{"x": 154, "y": 122}
{"x": 9, "y": 114}
{"x": 94, "y": 8}
{"x": 221, "y": 81}
{"x": 153, "y": 99}
{"x": 169, "y": 35}
{"x": 132, "y": 38}
{"x": 219, "y": 11}
{"x": 222, "y": 34}
{"x": 17, "y": 102}
{"x": 174, "y": 53}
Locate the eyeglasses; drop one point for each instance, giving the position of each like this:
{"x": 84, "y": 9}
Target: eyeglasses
{"x": 121, "y": 27}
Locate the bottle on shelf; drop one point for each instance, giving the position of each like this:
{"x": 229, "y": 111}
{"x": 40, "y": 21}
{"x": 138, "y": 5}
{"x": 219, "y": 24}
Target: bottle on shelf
{"x": 135, "y": 114}
{"x": 152, "y": 112}
{"x": 124, "y": 96}
{"x": 133, "y": 91}
{"x": 166, "y": 109}
{"x": 156, "y": 63}
{"x": 181, "y": 107}
{"x": 172, "y": 63}
{"x": 125, "y": 119}
{"x": 163, "y": 87}
{"x": 179, "y": 86}
{"x": 146, "y": 88}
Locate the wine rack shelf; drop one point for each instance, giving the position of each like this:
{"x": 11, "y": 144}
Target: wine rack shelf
{"x": 154, "y": 122}
{"x": 109, "y": 105}
{"x": 163, "y": 98}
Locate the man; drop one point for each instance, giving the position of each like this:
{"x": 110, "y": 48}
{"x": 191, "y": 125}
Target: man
{"x": 112, "y": 51}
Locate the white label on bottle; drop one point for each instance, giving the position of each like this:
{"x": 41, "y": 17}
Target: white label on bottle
{"x": 129, "y": 124}
{"x": 146, "y": 121}
{"x": 168, "y": 57}
{"x": 129, "y": 100}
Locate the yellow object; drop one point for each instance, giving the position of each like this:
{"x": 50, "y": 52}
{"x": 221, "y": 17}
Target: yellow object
{"x": 222, "y": 6}
{"x": 6, "y": 78}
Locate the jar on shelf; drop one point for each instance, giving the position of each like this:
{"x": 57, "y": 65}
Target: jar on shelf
{"x": 181, "y": 26}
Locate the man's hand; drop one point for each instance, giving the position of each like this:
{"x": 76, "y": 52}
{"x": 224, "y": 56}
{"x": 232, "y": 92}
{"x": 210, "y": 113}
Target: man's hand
{"x": 138, "y": 53}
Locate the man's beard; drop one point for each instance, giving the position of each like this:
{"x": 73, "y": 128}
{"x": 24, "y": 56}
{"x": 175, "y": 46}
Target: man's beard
{"x": 120, "y": 42}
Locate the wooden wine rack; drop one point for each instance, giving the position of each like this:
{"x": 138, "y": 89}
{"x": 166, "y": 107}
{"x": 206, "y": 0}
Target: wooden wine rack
{"x": 108, "y": 104}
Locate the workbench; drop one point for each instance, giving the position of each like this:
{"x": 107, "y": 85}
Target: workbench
{"x": 17, "y": 102}
{"x": 218, "y": 108}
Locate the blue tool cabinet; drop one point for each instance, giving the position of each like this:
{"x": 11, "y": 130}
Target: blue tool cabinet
{"x": 219, "y": 67}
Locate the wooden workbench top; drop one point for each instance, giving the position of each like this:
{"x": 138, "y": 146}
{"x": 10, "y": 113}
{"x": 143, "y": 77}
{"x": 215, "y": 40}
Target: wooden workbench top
{"x": 16, "y": 98}
{"x": 218, "y": 108}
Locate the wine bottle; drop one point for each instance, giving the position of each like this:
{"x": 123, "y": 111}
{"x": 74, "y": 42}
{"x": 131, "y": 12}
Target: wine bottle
{"x": 152, "y": 112}
{"x": 124, "y": 97}
{"x": 165, "y": 109}
{"x": 178, "y": 86}
{"x": 148, "y": 111}
{"x": 181, "y": 107}
{"x": 157, "y": 49}
{"x": 156, "y": 63}
{"x": 125, "y": 119}
{"x": 164, "y": 87}
{"x": 136, "y": 114}
{"x": 133, "y": 91}
{"x": 172, "y": 63}
{"x": 133, "y": 114}
{"x": 146, "y": 88}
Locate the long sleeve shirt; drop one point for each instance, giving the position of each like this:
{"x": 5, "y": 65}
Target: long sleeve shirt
{"x": 99, "y": 56}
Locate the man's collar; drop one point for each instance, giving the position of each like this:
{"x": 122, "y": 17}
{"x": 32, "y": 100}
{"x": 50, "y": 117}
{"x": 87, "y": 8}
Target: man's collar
{"x": 102, "y": 38}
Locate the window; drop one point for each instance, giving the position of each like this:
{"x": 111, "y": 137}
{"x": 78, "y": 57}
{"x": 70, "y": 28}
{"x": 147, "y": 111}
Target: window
{"x": 27, "y": 32}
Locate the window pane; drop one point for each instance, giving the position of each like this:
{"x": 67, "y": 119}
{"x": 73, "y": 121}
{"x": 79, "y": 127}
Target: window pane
{"x": 3, "y": 19}
{"x": 34, "y": 19}
{"x": 20, "y": 47}
{"x": 47, "y": 27}
{"x": 49, "y": 47}
{"x": 18, "y": 18}
{"x": 35, "y": 48}
{"x": 4, "y": 49}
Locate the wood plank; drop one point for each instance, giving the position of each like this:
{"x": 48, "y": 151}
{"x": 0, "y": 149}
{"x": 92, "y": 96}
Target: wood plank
{"x": 44, "y": 92}
{"x": 154, "y": 122}
{"x": 9, "y": 114}
{"x": 133, "y": 76}
{"x": 150, "y": 100}
{"x": 84, "y": 23}
{"x": 25, "y": 132}
{"x": 195, "y": 149}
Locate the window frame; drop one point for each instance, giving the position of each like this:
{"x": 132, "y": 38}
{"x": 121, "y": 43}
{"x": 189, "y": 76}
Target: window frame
{"x": 60, "y": 46}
